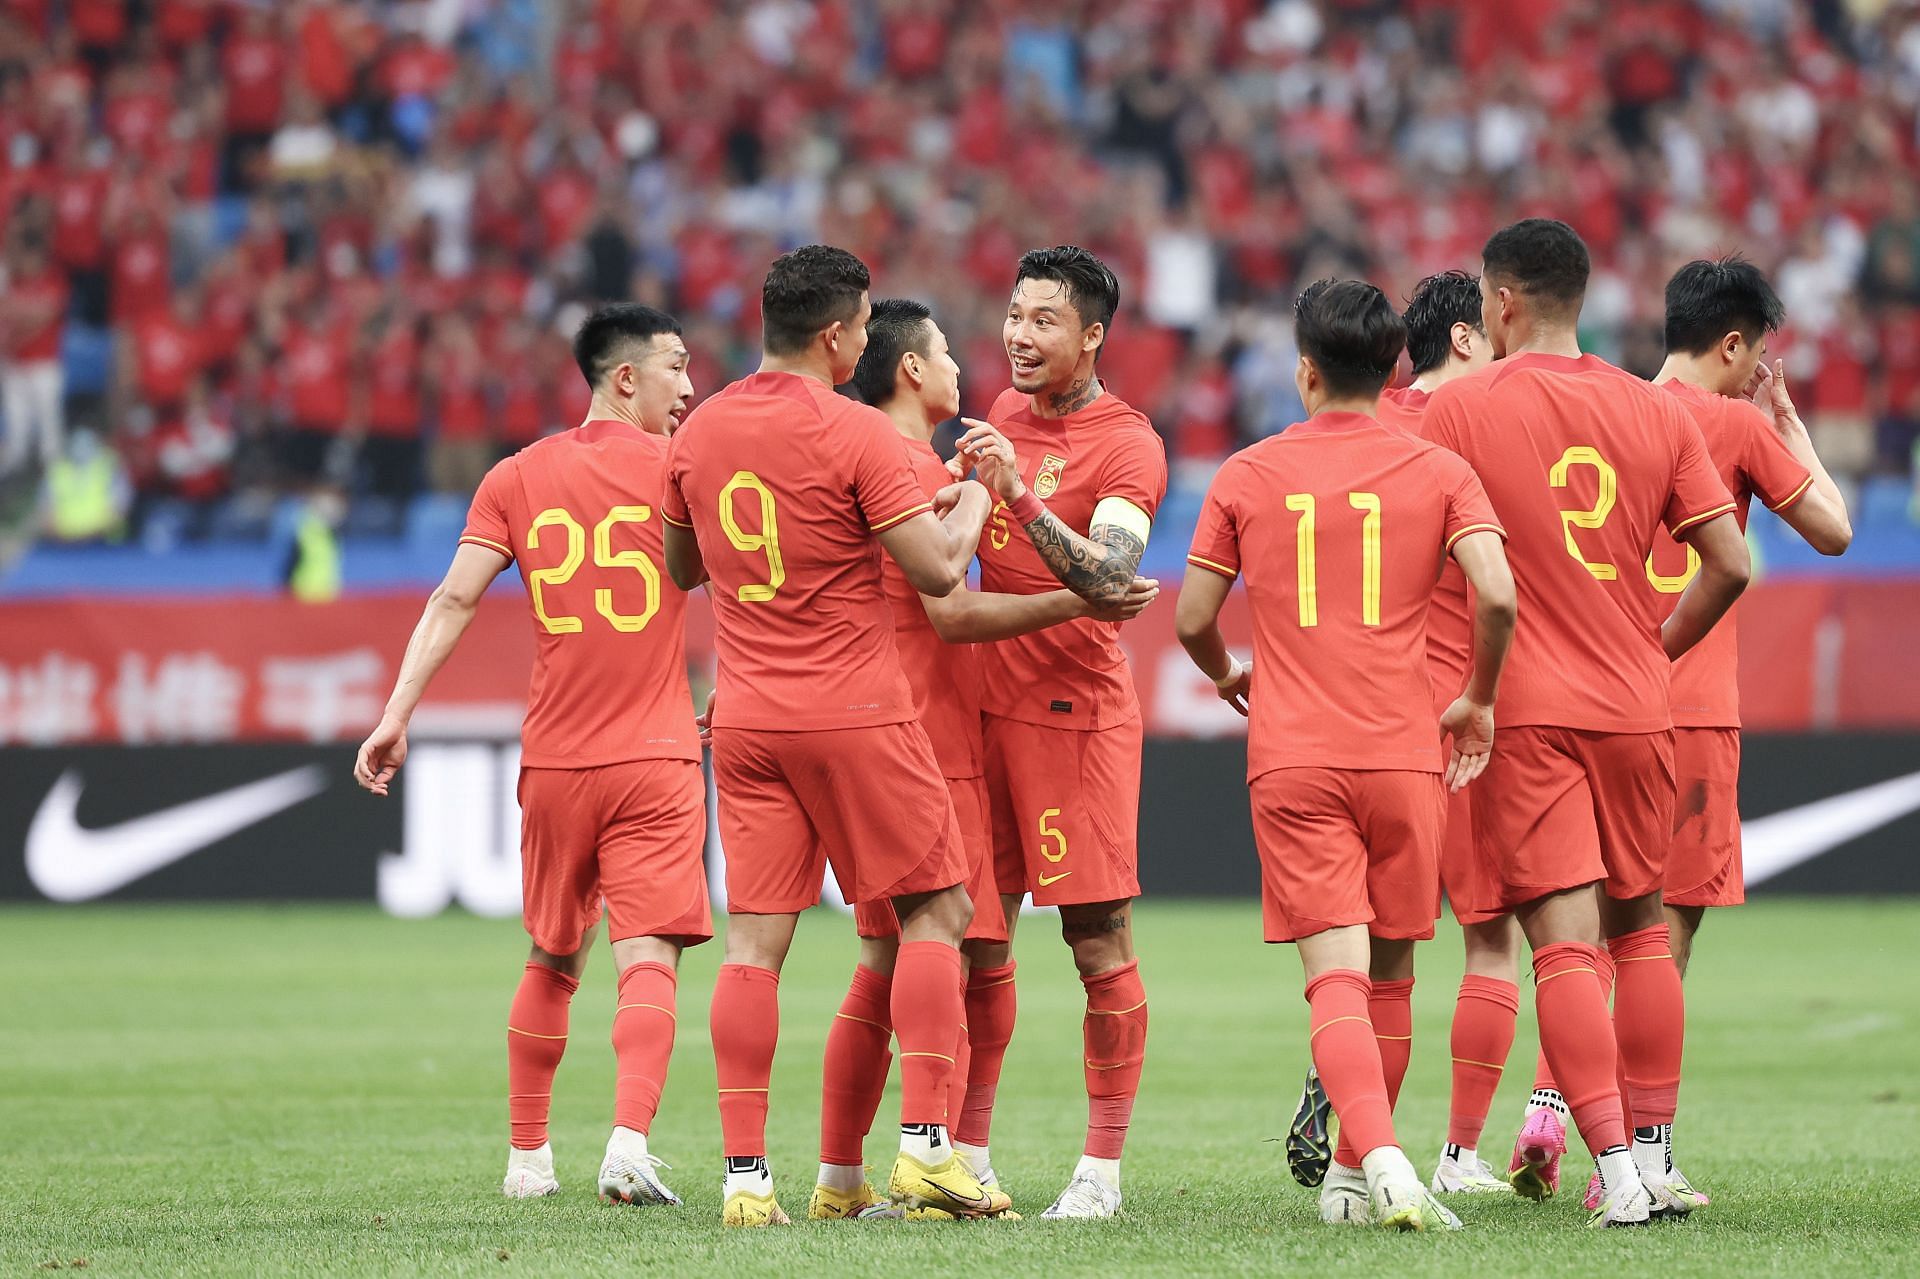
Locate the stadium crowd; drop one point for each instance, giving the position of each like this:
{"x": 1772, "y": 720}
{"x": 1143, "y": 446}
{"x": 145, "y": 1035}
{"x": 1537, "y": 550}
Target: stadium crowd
{"x": 251, "y": 247}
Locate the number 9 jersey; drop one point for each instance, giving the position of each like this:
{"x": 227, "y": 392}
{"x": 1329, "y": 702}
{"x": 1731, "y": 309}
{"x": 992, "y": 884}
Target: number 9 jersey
{"x": 784, "y": 484}
{"x": 578, "y": 512}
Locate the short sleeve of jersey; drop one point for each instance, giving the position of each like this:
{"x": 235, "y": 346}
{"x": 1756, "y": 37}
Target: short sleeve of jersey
{"x": 1216, "y": 538}
{"x": 1772, "y": 471}
{"x": 883, "y": 479}
{"x": 1136, "y": 470}
{"x": 673, "y": 503}
{"x": 1698, "y": 494}
{"x": 1468, "y": 508}
{"x": 1445, "y": 416}
{"x": 487, "y": 516}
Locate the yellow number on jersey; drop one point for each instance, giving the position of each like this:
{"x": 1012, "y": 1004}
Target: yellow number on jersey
{"x": 1369, "y": 555}
{"x": 767, "y": 540}
{"x": 636, "y": 559}
{"x": 1303, "y": 559}
{"x": 1673, "y": 585}
{"x": 999, "y": 534}
{"x": 1050, "y": 832}
{"x": 1581, "y": 455}
{"x": 559, "y": 574}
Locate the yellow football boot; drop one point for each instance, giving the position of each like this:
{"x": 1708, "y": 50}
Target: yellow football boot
{"x": 744, "y": 1208}
{"x": 862, "y": 1204}
{"x": 948, "y": 1189}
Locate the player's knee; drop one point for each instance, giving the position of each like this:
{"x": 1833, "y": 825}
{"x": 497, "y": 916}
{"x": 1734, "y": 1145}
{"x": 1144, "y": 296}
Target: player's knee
{"x": 1629, "y": 915}
{"x": 879, "y": 954}
{"x": 1100, "y": 934}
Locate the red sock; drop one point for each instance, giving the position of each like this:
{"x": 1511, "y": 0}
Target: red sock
{"x": 1577, "y": 1036}
{"x": 1348, "y": 1058}
{"x": 1603, "y": 965}
{"x": 1483, "y": 1020}
{"x": 929, "y": 1003}
{"x": 536, "y": 1039}
{"x": 745, "y": 1025}
{"x": 1650, "y": 1018}
{"x": 1114, "y": 1032}
{"x": 643, "y": 1024}
{"x": 992, "y": 1005}
{"x": 957, "y": 1082}
{"x": 1390, "y": 1009}
{"x": 858, "y": 1054}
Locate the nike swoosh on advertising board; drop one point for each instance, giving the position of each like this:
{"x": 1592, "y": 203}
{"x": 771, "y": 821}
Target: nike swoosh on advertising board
{"x": 70, "y": 863}
{"x": 1776, "y": 843}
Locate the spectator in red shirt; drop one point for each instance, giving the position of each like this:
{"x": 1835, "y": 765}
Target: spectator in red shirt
{"x": 33, "y": 397}
{"x": 315, "y": 365}
{"x": 465, "y": 446}
{"x": 254, "y": 68}
{"x": 390, "y": 380}
{"x": 142, "y": 265}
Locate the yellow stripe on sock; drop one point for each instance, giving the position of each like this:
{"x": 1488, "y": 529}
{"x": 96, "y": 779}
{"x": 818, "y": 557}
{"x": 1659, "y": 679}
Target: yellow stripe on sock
{"x": 1395, "y": 1038}
{"x": 530, "y": 1034}
{"x": 864, "y": 1022}
{"x": 1116, "y": 1012}
{"x": 1635, "y": 959}
{"x": 941, "y": 1056}
{"x": 1110, "y": 1065}
{"x": 1468, "y": 1061}
{"x": 1335, "y": 1022}
{"x": 656, "y": 1007}
{"x": 1541, "y": 981}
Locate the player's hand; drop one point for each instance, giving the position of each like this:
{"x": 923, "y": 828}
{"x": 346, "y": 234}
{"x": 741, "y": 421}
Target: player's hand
{"x": 1769, "y": 394}
{"x": 1142, "y": 592}
{"x": 1471, "y": 727}
{"x": 1236, "y": 685}
{"x": 381, "y": 755}
{"x": 993, "y": 457}
{"x": 704, "y": 721}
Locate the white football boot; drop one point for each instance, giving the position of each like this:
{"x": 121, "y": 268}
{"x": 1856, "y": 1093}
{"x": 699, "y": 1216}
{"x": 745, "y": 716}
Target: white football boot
{"x": 530, "y": 1173}
{"x": 627, "y": 1173}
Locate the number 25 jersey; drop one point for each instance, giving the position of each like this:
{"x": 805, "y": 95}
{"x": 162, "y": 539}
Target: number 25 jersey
{"x": 578, "y": 513}
{"x": 785, "y": 483}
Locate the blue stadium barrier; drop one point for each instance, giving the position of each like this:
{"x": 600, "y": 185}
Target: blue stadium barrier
{"x": 86, "y": 354}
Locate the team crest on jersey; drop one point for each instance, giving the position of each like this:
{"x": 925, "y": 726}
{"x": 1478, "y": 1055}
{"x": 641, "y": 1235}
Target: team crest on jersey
{"x": 1047, "y": 482}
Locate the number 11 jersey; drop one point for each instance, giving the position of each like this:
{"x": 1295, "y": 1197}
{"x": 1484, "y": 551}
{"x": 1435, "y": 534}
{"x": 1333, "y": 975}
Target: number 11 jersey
{"x": 785, "y": 483}
{"x": 1339, "y": 526}
{"x": 578, "y": 512}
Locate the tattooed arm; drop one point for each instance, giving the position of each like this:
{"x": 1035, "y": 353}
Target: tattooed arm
{"x": 1099, "y": 567}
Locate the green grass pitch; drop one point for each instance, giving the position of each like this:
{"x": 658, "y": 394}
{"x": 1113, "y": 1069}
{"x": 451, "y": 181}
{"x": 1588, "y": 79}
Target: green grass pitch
{"x": 321, "y": 1091}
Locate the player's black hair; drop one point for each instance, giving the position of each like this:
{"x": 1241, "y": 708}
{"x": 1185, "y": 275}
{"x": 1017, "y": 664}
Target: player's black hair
{"x": 1351, "y": 333}
{"x": 897, "y": 326}
{"x": 1438, "y": 303}
{"x": 1092, "y": 288}
{"x": 604, "y": 336}
{"x": 805, "y": 291}
{"x": 1706, "y": 300}
{"x": 1541, "y": 257}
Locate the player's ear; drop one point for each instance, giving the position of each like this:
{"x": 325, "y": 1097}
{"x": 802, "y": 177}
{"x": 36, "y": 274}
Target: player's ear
{"x": 1093, "y": 336}
{"x": 1462, "y": 334}
{"x": 910, "y": 365}
{"x": 1730, "y": 346}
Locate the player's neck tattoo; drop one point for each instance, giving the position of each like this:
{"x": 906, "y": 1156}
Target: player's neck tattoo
{"x": 1081, "y": 393}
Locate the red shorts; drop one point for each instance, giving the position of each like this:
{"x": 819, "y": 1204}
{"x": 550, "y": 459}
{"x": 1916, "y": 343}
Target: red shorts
{"x": 1066, "y": 810}
{"x": 1703, "y": 864}
{"x": 876, "y": 918}
{"x": 870, "y": 801}
{"x": 1345, "y": 846}
{"x": 1460, "y": 872}
{"x": 632, "y": 834}
{"x": 1562, "y": 807}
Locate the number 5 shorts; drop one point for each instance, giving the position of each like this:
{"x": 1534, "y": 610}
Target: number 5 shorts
{"x": 1065, "y": 805}
{"x": 870, "y": 801}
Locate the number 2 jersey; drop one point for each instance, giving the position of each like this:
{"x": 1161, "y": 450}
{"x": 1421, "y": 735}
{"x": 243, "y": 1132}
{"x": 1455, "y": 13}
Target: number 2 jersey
{"x": 785, "y": 483}
{"x": 1338, "y": 526}
{"x": 578, "y": 512}
{"x": 1073, "y": 675}
{"x": 1583, "y": 462}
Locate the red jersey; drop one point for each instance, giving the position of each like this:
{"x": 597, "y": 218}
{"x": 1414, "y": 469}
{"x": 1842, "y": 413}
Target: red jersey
{"x": 46, "y": 291}
{"x": 315, "y": 365}
{"x": 1751, "y": 458}
{"x": 945, "y": 677}
{"x": 1073, "y": 675}
{"x": 610, "y": 671}
{"x": 1339, "y": 526}
{"x": 1583, "y": 461}
{"x": 784, "y": 484}
{"x": 1450, "y": 614}
{"x": 168, "y": 355}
